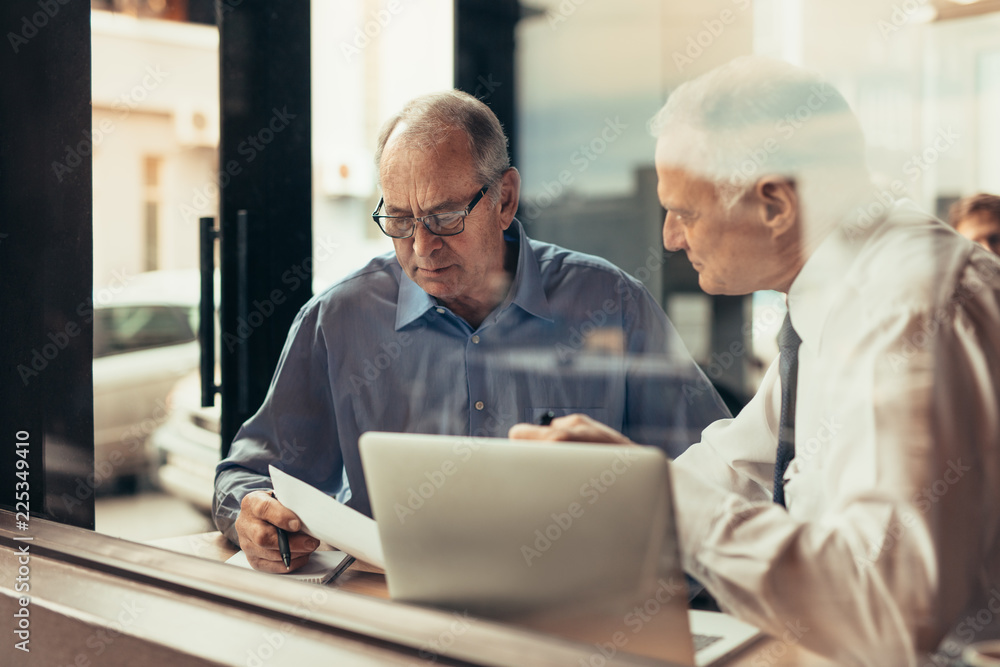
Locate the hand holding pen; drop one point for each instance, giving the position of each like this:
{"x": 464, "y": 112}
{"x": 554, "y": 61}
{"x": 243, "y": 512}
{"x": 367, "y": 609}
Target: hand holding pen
{"x": 259, "y": 528}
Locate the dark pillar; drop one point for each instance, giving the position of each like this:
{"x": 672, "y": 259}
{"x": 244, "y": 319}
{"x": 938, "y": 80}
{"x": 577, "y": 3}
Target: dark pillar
{"x": 265, "y": 170}
{"x": 484, "y": 57}
{"x": 730, "y": 346}
{"x": 46, "y": 261}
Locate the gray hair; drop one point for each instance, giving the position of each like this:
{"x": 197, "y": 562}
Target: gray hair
{"x": 756, "y": 116}
{"x": 428, "y": 119}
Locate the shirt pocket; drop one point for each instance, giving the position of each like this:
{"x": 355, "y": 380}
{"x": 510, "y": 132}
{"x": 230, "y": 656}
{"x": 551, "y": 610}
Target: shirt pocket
{"x": 534, "y": 415}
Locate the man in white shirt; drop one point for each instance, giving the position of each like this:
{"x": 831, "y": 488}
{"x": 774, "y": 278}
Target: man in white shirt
{"x": 880, "y": 531}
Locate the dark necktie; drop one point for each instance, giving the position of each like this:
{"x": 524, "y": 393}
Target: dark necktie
{"x": 788, "y": 369}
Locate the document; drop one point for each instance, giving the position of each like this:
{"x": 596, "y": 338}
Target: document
{"x": 321, "y": 568}
{"x": 327, "y": 520}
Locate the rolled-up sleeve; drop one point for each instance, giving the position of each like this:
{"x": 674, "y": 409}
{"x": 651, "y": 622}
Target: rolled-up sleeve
{"x": 294, "y": 429}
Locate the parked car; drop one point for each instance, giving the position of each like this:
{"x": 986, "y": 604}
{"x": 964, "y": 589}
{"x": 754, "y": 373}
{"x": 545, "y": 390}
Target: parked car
{"x": 145, "y": 340}
{"x": 189, "y": 445}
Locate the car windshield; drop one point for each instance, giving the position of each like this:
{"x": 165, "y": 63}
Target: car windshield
{"x": 127, "y": 328}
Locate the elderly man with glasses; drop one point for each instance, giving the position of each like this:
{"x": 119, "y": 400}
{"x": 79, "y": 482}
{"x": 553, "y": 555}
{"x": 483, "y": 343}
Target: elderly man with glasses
{"x": 467, "y": 328}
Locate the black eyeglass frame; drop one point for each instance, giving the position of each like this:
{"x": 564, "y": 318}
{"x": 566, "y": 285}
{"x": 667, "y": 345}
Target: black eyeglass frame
{"x": 424, "y": 220}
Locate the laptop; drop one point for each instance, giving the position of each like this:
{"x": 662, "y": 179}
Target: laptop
{"x": 569, "y": 539}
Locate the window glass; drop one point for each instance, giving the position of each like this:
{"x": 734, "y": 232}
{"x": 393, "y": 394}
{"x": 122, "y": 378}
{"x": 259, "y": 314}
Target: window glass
{"x": 363, "y": 71}
{"x": 924, "y": 79}
{"x": 155, "y": 145}
{"x": 590, "y": 76}
{"x": 155, "y": 152}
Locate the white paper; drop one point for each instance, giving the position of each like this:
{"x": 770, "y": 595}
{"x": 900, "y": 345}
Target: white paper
{"x": 327, "y": 520}
{"x": 321, "y": 568}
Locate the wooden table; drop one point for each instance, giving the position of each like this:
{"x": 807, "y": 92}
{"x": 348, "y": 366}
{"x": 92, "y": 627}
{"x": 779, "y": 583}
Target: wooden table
{"x": 367, "y": 580}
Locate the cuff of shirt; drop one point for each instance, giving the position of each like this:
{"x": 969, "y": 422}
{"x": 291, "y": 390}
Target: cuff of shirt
{"x": 699, "y": 506}
{"x": 230, "y": 489}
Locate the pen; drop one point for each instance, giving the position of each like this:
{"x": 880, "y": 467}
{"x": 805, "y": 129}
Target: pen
{"x": 547, "y": 418}
{"x": 286, "y": 554}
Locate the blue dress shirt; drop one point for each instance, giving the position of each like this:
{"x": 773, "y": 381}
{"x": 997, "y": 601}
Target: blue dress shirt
{"x": 575, "y": 334}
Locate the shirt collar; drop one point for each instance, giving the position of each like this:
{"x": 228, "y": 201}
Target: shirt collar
{"x": 526, "y": 291}
{"x": 412, "y": 302}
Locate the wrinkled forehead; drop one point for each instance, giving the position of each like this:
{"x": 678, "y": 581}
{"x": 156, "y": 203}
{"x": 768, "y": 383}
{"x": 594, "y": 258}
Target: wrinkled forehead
{"x": 421, "y": 178}
{"x": 410, "y": 153}
{"x": 686, "y": 165}
{"x": 680, "y": 189}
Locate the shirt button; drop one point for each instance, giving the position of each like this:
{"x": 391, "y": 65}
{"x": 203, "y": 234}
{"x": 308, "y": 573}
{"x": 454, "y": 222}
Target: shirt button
{"x": 440, "y": 311}
{"x": 480, "y": 405}
{"x": 475, "y": 339}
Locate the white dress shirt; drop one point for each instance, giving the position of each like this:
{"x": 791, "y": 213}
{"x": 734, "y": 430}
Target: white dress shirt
{"x": 892, "y": 533}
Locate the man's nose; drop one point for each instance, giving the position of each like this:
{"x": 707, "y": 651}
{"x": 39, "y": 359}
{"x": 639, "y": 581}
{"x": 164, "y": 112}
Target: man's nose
{"x": 424, "y": 243}
{"x": 673, "y": 234}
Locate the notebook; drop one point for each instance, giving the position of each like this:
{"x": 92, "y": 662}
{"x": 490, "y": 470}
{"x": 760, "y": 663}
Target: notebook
{"x": 323, "y": 566}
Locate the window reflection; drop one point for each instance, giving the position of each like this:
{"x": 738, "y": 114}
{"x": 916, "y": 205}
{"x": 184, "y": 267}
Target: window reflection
{"x": 154, "y": 141}
{"x": 155, "y": 144}
{"x": 925, "y": 85}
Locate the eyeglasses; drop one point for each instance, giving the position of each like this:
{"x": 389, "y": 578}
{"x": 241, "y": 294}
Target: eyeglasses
{"x": 439, "y": 224}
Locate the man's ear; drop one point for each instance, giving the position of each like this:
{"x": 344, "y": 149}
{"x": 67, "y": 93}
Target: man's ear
{"x": 779, "y": 203}
{"x": 510, "y": 195}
